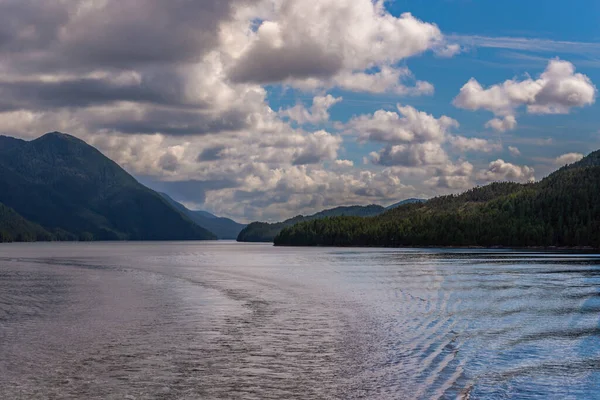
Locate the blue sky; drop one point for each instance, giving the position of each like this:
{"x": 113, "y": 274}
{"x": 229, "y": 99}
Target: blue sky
{"x": 265, "y": 109}
{"x": 512, "y": 28}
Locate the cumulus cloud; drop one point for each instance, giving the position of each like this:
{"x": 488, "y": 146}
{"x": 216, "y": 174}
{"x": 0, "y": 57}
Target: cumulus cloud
{"x": 319, "y": 112}
{"x": 413, "y": 138}
{"x": 464, "y": 144}
{"x": 558, "y": 89}
{"x": 175, "y": 92}
{"x": 568, "y": 158}
{"x": 405, "y": 126}
{"x": 387, "y": 79}
{"x": 319, "y": 146}
{"x": 452, "y": 176}
{"x": 332, "y": 43}
{"x": 411, "y": 155}
{"x": 344, "y": 163}
{"x": 507, "y": 123}
{"x": 500, "y": 170}
{"x": 514, "y": 151}
{"x": 416, "y": 143}
{"x": 449, "y": 50}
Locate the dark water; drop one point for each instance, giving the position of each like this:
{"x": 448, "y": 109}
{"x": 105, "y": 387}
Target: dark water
{"x": 233, "y": 321}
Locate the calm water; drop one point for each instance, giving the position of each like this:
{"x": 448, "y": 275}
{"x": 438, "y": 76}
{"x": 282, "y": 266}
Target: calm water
{"x": 234, "y": 321}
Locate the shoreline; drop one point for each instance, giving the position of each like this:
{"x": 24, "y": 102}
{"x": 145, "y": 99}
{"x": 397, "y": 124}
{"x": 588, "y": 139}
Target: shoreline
{"x": 545, "y": 248}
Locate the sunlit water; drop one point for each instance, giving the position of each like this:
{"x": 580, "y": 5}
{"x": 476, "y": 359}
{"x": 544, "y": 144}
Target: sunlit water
{"x": 236, "y": 321}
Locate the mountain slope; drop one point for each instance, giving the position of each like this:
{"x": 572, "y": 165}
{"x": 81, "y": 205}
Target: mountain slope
{"x": 224, "y": 228}
{"x": 75, "y": 192}
{"x": 266, "y": 232}
{"x": 561, "y": 210}
{"x": 403, "y": 202}
{"x": 15, "y": 228}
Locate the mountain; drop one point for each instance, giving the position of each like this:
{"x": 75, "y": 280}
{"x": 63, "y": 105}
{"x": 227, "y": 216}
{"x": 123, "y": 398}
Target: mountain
{"x": 403, "y": 202}
{"x": 74, "y": 192}
{"x": 562, "y": 210}
{"x": 224, "y": 228}
{"x": 15, "y": 228}
{"x": 266, "y": 232}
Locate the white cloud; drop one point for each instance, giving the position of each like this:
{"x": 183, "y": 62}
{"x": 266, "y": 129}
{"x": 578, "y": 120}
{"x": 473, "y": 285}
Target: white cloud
{"x": 344, "y": 163}
{"x": 514, "y": 151}
{"x": 325, "y": 43}
{"x": 464, "y": 144}
{"x": 408, "y": 125}
{"x": 528, "y": 44}
{"x": 415, "y": 145}
{"x": 317, "y": 147}
{"x": 449, "y": 50}
{"x": 388, "y": 79}
{"x": 568, "y": 158}
{"x": 452, "y": 176}
{"x": 411, "y": 155}
{"x": 500, "y": 170}
{"x": 176, "y": 93}
{"x": 319, "y": 112}
{"x": 556, "y": 91}
{"x": 508, "y": 123}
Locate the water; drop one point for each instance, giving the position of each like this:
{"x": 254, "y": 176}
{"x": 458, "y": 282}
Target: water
{"x": 241, "y": 321}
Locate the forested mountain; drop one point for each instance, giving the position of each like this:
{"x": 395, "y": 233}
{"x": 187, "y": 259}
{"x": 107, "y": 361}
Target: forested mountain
{"x": 73, "y": 192}
{"x": 15, "y": 228}
{"x": 266, "y": 232}
{"x": 403, "y": 202}
{"x": 561, "y": 210}
{"x": 224, "y": 228}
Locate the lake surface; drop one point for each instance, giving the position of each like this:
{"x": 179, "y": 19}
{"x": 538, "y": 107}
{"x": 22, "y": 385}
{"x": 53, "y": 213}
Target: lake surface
{"x": 221, "y": 320}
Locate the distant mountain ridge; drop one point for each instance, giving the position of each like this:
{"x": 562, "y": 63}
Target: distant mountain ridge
{"x": 403, "y": 202}
{"x": 223, "y": 228}
{"x": 71, "y": 191}
{"x": 561, "y": 210}
{"x": 266, "y": 232}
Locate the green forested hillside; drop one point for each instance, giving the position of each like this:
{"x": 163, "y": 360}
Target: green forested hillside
{"x": 15, "y": 228}
{"x": 403, "y": 202}
{"x": 266, "y": 232}
{"x": 561, "y": 210}
{"x": 75, "y": 193}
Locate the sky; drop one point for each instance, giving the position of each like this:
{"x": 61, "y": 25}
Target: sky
{"x": 266, "y": 109}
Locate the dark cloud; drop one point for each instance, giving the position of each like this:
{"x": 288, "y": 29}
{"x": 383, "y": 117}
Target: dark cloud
{"x": 263, "y": 64}
{"x": 211, "y": 153}
{"x": 169, "y": 162}
{"x": 129, "y": 32}
{"x": 173, "y": 122}
{"x": 28, "y": 25}
{"x": 307, "y": 158}
{"x": 79, "y": 93}
{"x": 117, "y": 34}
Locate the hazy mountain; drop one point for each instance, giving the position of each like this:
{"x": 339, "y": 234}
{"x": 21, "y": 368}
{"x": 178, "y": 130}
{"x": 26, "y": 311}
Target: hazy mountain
{"x": 74, "y": 192}
{"x": 561, "y": 210}
{"x": 266, "y": 232}
{"x": 224, "y": 228}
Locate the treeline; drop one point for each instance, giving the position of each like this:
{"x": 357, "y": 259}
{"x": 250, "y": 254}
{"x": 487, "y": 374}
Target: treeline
{"x": 561, "y": 210}
{"x": 266, "y": 232}
{"x": 15, "y": 228}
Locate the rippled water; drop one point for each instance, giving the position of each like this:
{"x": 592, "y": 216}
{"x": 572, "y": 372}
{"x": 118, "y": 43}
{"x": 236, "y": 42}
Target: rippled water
{"x": 237, "y": 321}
